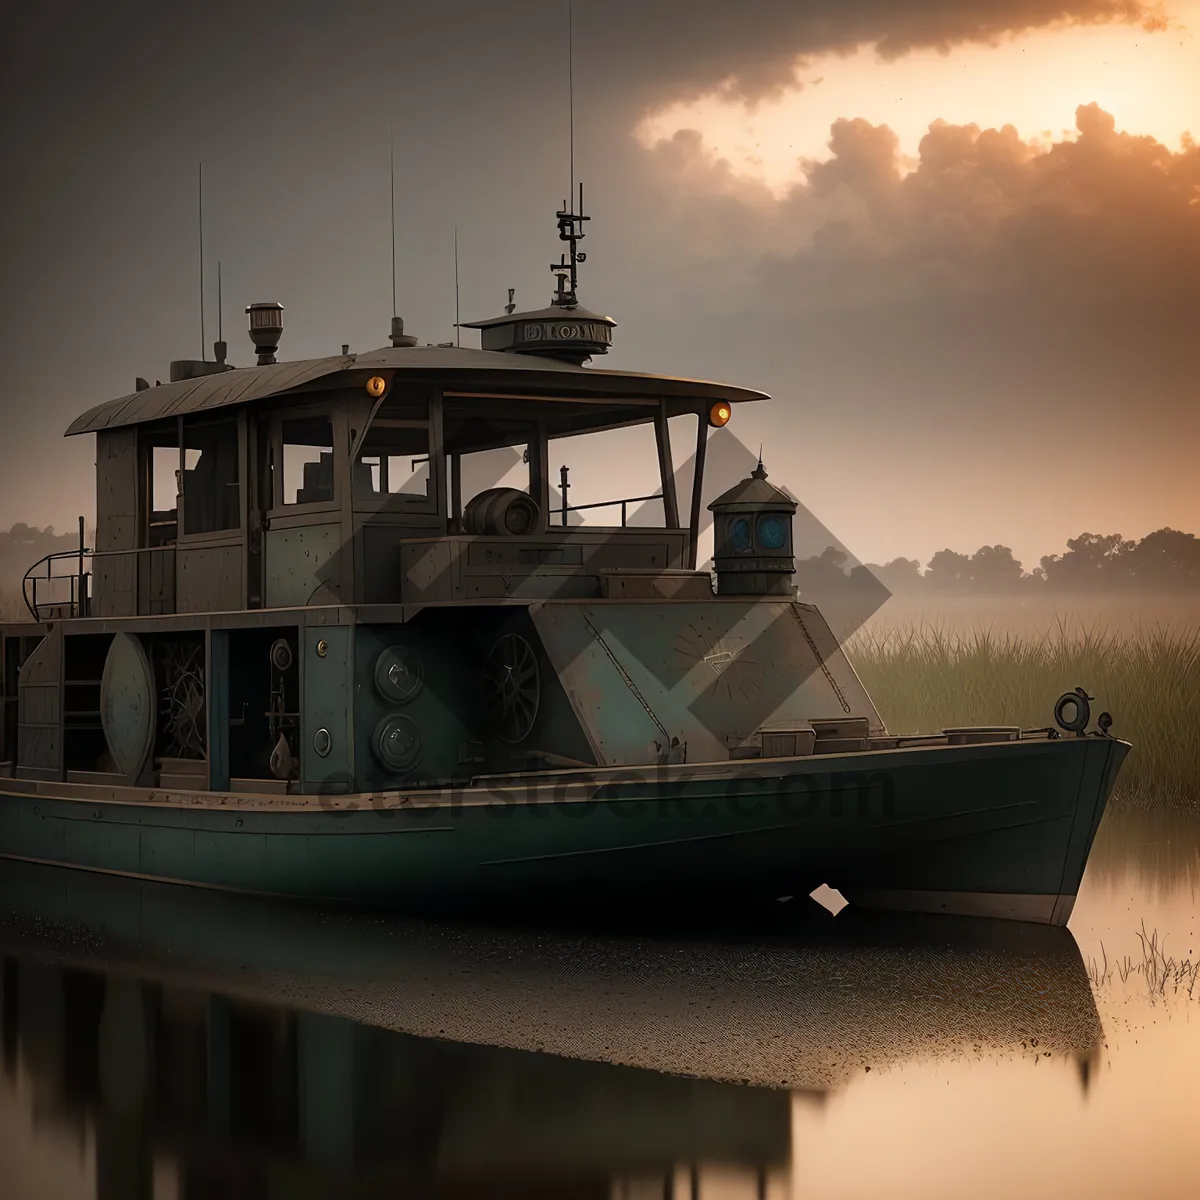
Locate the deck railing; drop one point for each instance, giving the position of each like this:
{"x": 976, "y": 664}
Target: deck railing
{"x": 610, "y": 504}
{"x": 77, "y": 602}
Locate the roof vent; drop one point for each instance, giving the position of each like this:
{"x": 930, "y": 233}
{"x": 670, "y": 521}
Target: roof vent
{"x": 399, "y": 337}
{"x": 266, "y": 328}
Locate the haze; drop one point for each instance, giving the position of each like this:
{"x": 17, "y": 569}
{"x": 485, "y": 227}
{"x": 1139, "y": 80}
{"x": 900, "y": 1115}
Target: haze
{"x": 978, "y": 328}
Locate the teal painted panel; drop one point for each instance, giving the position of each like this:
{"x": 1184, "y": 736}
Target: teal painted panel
{"x": 229, "y": 859}
{"x": 445, "y": 709}
{"x": 106, "y": 843}
{"x": 165, "y": 852}
{"x": 326, "y": 723}
{"x": 1003, "y": 818}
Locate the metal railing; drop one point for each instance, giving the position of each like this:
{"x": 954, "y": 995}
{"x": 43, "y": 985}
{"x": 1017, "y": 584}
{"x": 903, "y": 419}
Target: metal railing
{"x": 565, "y": 509}
{"x": 610, "y": 504}
{"x": 78, "y": 601}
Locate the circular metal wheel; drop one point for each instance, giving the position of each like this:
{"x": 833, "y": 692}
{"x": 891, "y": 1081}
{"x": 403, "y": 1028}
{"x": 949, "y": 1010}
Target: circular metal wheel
{"x": 512, "y": 687}
{"x": 281, "y": 655}
{"x": 399, "y": 674}
{"x": 397, "y": 742}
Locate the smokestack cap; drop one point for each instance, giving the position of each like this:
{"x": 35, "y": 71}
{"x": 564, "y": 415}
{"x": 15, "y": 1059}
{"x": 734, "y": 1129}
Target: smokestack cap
{"x": 266, "y": 328}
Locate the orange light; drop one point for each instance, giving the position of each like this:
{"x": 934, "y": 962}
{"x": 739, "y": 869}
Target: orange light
{"x": 719, "y": 414}
{"x": 376, "y": 386}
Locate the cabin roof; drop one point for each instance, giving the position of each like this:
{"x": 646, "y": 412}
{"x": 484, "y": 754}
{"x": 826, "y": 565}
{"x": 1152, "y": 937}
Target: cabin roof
{"x": 464, "y": 366}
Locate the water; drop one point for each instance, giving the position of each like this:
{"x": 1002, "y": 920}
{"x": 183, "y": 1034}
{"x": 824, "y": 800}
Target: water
{"x": 168, "y": 1042}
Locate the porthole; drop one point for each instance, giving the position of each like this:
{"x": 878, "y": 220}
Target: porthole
{"x": 739, "y": 534}
{"x": 399, "y": 674}
{"x": 397, "y": 742}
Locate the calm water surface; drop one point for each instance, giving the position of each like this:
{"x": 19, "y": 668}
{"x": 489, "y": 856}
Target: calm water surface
{"x": 166, "y": 1042}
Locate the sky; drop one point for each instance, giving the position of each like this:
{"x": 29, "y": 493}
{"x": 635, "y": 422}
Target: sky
{"x": 957, "y": 241}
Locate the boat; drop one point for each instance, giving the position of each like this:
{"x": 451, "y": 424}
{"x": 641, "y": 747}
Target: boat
{"x": 340, "y": 640}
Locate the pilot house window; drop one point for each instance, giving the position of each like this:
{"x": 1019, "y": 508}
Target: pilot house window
{"x": 307, "y": 460}
{"x": 394, "y": 461}
{"x": 210, "y": 478}
{"x": 160, "y": 467}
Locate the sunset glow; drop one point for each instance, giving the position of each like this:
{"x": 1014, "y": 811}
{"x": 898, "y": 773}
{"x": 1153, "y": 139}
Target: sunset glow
{"x": 1150, "y": 81}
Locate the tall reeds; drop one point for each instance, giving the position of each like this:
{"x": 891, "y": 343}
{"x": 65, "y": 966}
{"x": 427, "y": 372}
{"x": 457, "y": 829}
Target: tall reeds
{"x": 924, "y": 679}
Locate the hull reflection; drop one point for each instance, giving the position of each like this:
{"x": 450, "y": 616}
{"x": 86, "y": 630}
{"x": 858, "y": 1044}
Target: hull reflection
{"x": 267, "y": 1049}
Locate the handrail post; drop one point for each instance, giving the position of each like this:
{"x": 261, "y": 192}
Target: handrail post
{"x": 77, "y": 602}
{"x": 563, "y": 486}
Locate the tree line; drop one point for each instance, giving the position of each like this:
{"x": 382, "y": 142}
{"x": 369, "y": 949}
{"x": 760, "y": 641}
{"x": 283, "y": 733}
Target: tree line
{"x": 1167, "y": 559}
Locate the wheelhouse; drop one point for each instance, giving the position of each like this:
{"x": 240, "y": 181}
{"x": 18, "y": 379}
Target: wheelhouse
{"x": 367, "y": 483}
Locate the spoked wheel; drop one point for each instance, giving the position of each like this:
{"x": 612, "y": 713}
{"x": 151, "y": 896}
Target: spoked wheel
{"x": 512, "y": 687}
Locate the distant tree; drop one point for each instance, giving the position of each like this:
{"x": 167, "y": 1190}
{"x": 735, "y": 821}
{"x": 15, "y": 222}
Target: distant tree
{"x": 1092, "y": 561}
{"x": 993, "y": 569}
{"x": 948, "y": 571}
{"x": 823, "y": 572}
{"x": 899, "y": 575}
{"x": 1164, "y": 558}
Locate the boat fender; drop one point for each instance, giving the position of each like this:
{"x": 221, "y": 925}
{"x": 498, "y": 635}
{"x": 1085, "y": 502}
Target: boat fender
{"x": 1078, "y": 700}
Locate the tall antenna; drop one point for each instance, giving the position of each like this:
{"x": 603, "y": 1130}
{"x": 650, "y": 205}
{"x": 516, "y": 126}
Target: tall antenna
{"x": 220, "y": 335}
{"x": 392, "y": 150}
{"x": 203, "y": 343}
{"x": 570, "y": 223}
{"x": 457, "y": 327}
{"x": 571, "y": 86}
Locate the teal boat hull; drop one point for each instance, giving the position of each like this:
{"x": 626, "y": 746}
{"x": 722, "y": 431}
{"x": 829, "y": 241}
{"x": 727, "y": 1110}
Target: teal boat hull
{"x": 1000, "y": 830}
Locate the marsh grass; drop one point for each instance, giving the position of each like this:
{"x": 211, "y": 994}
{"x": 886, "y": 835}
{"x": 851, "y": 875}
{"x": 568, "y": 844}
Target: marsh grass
{"x": 12, "y": 607}
{"x": 1164, "y": 974}
{"x": 924, "y": 678}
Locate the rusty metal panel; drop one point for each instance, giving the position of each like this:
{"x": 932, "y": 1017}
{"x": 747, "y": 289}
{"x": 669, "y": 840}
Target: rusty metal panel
{"x": 662, "y": 549}
{"x": 656, "y": 585}
{"x": 304, "y": 565}
{"x": 39, "y": 711}
{"x": 707, "y": 673}
{"x": 430, "y": 570}
{"x": 209, "y": 578}
{"x": 156, "y": 581}
{"x": 113, "y": 591}
{"x": 116, "y": 489}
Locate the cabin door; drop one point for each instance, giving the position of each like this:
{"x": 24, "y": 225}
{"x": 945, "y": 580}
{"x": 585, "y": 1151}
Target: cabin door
{"x": 259, "y": 502}
{"x": 39, "y": 711}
